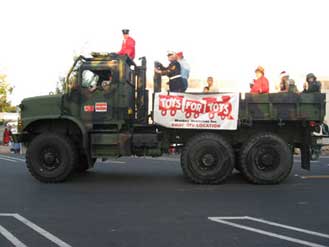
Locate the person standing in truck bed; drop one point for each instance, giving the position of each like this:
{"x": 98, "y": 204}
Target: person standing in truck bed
{"x": 211, "y": 87}
{"x": 185, "y": 69}
{"x": 312, "y": 85}
{"x": 287, "y": 85}
{"x": 173, "y": 71}
{"x": 128, "y": 45}
{"x": 260, "y": 84}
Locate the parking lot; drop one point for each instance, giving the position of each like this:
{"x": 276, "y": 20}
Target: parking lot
{"x": 147, "y": 202}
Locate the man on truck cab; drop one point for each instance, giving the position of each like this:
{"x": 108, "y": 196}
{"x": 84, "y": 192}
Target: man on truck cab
{"x": 260, "y": 85}
{"x": 173, "y": 71}
{"x": 128, "y": 45}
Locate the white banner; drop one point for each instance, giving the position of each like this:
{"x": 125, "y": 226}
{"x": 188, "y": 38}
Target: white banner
{"x": 197, "y": 111}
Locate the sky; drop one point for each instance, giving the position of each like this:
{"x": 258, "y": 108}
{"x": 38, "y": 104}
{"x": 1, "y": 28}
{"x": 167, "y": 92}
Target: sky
{"x": 224, "y": 39}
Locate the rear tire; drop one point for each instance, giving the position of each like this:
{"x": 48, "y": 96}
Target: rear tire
{"x": 51, "y": 158}
{"x": 266, "y": 159}
{"x": 207, "y": 159}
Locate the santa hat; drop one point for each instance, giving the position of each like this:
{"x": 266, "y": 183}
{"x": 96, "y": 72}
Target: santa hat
{"x": 284, "y": 74}
{"x": 180, "y": 54}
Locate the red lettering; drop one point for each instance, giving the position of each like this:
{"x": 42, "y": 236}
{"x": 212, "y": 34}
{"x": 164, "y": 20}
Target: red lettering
{"x": 170, "y": 103}
{"x": 221, "y": 108}
{"x": 193, "y": 107}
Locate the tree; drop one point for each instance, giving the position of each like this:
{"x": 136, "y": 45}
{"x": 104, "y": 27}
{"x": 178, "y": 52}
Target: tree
{"x": 60, "y": 85}
{"x": 5, "y": 91}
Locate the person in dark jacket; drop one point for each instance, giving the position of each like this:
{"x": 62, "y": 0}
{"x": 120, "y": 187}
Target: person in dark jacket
{"x": 173, "y": 71}
{"x": 312, "y": 85}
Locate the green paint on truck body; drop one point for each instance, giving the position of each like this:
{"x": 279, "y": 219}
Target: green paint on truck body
{"x": 112, "y": 120}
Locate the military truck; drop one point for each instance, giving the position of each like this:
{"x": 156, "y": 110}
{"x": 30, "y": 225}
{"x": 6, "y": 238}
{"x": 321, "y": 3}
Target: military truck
{"x": 104, "y": 112}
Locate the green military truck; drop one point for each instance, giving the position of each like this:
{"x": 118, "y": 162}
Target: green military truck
{"x": 104, "y": 113}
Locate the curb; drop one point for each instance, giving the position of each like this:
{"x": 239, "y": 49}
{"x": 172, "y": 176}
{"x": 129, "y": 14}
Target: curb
{"x": 4, "y": 150}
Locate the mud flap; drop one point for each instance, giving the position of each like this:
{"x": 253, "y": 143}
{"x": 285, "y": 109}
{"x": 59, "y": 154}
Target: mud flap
{"x": 306, "y": 156}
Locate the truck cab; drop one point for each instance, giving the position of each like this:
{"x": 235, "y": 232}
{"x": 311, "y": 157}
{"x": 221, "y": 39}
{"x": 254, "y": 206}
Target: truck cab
{"x": 103, "y": 109}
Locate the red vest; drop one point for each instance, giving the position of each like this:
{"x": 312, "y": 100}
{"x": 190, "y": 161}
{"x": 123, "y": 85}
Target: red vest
{"x": 128, "y": 48}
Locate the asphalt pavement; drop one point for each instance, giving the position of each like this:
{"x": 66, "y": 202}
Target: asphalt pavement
{"x": 147, "y": 202}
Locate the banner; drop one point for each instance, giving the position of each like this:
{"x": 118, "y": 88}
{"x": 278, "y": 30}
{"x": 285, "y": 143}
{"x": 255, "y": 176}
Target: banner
{"x": 197, "y": 111}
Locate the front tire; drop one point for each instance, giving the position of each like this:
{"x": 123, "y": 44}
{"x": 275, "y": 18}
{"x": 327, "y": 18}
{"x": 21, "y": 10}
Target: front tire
{"x": 207, "y": 159}
{"x": 266, "y": 159}
{"x": 51, "y": 158}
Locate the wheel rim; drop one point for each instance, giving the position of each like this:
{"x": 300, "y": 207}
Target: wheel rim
{"x": 50, "y": 159}
{"x": 266, "y": 158}
{"x": 209, "y": 161}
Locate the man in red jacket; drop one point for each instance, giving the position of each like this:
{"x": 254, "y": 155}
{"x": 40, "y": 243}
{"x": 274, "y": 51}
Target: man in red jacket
{"x": 261, "y": 84}
{"x": 128, "y": 45}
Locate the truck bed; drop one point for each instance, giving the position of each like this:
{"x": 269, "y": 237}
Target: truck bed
{"x": 282, "y": 107}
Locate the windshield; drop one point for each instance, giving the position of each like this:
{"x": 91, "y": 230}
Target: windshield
{"x": 72, "y": 77}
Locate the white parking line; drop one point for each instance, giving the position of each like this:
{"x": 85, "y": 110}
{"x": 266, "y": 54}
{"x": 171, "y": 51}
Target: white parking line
{"x": 10, "y": 237}
{"x": 224, "y": 220}
{"x": 36, "y": 228}
{"x": 11, "y": 157}
{"x": 10, "y": 160}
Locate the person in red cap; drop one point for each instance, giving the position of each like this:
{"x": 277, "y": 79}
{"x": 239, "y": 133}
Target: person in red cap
{"x": 185, "y": 69}
{"x": 128, "y": 45}
{"x": 261, "y": 84}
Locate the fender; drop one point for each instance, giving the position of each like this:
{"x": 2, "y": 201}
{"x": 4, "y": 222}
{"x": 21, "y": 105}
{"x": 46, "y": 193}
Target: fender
{"x": 82, "y": 129}
{"x": 85, "y": 139}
